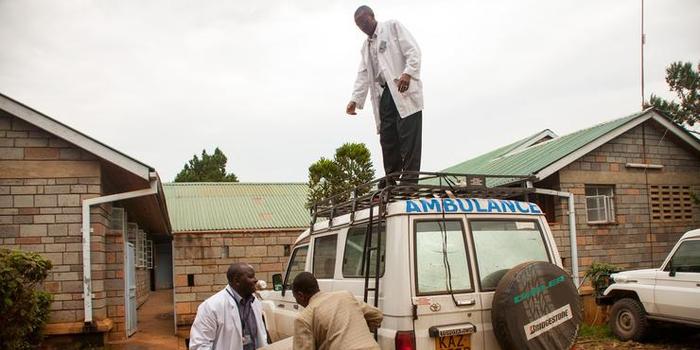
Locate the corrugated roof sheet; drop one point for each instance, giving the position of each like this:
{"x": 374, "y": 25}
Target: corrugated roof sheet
{"x": 537, "y": 157}
{"x": 207, "y": 206}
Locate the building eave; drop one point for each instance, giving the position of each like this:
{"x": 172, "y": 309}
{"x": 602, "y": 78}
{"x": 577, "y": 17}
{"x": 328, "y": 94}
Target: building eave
{"x": 75, "y": 137}
{"x": 648, "y": 114}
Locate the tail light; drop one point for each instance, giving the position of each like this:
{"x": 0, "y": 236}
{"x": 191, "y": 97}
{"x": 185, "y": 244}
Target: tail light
{"x": 405, "y": 340}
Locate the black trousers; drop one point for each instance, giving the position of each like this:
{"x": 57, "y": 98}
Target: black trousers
{"x": 400, "y": 139}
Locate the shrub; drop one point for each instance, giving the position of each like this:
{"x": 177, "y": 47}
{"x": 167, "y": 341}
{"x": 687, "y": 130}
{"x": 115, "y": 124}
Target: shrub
{"x": 599, "y": 274}
{"x": 23, "y": 309}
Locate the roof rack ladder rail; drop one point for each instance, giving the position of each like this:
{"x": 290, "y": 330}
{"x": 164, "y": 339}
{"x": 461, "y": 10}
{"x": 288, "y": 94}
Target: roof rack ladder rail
{"x": 330, "y": 219}
{"x": 366, "y": 251}
{"x": 354, "y": 205}
{"x": 378, "y": 254}
{"x": 314, "y": 211}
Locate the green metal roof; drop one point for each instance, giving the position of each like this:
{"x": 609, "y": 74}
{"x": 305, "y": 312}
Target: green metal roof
{"x": 487, "y": 157}
{"x": 217, "y": 206}
{"x": 536, "y": 157}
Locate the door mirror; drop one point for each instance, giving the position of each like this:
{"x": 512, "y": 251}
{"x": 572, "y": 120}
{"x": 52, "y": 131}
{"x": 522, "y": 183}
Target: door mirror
{"x": 672, "y": 271}
{"x": 277, "y": 282}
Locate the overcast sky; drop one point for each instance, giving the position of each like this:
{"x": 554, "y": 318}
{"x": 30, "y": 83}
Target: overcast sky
{"x": 268, "y": 81}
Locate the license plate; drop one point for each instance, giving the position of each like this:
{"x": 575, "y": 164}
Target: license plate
{"x": 454, "y": 342}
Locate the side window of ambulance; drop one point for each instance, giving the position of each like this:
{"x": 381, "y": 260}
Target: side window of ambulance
{"x": 296, "y": 264}
{"x": 441, "y": 252}
{"x": 354, "y": 250}
{"x": 324, "y": 256}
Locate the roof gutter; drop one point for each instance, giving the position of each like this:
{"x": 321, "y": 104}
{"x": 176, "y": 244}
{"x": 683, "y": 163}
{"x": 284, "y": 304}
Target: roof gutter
{"x": 572, "y": 227}
{"x": 87, "y": 230}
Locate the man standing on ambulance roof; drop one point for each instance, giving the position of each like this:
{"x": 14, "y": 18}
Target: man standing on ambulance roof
{"x": 390, "y": 71}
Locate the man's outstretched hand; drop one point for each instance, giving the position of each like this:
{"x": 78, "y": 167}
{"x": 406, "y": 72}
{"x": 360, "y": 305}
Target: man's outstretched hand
{"x": 403, "y": 82}
{"x": 350, "y": 109}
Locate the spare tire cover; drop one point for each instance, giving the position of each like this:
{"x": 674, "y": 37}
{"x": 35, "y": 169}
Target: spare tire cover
{"x": 536, "y": 306}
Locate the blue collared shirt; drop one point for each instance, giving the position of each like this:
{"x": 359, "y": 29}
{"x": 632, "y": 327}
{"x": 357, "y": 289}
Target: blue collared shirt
{"x": 248, "y": 323}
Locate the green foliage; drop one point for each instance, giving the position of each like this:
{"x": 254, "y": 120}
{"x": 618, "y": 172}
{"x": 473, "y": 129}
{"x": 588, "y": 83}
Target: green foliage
{"x": 599, "y": 274}
{"x": 685, "y": 82}
{"x": 351, "y": 166}
{"x": 23, "y": 309}
{"x": 210, "y": 168}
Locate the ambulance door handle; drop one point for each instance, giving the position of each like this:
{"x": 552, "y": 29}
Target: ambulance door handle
{"x": 468, "y": 302}
{"x": 280, "y": 305}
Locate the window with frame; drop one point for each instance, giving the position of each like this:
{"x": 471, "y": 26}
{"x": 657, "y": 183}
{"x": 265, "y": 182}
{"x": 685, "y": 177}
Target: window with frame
{"x": 523, "y": 240}
{"x": 441, "y": 252}
{"x": 296, "y": 264}
{"x": 355, "y": 248}
{"x": 686, "y": 258}
{"x": 600, "y": 204}
{"x": 324, "y": 256}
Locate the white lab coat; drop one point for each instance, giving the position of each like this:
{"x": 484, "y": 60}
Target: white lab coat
{"x": 217, "y": 325}
{"x": 401, "y": 55}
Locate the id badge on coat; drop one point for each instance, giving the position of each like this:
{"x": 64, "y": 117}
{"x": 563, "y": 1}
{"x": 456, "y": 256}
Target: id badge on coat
{"x": 247, "y": 339}
{"x": 382, "y": 46}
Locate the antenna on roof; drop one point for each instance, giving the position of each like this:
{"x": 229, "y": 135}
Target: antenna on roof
{"x": 643, "y": 40}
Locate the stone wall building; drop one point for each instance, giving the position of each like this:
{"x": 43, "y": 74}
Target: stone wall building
{"x": 49, "y": 174}
{"x": 633, "y": 180}
{"x": 216, "y": 224}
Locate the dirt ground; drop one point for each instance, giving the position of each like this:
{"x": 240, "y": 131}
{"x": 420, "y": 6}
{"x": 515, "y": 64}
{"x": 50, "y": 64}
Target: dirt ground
{"x": 155, "y": 324}
{"x": 662, "y": 337}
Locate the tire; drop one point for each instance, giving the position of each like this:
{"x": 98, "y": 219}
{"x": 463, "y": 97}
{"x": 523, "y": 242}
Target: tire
{"x": 628, "y": 320}
{"x": 536, "y": 307}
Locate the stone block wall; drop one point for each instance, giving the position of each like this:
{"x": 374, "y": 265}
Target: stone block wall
{"x": 634, "y": 240}
{"x": 43, "y": 180}
{"x": 114, "y": 283}
{"x": 207, "y": 256}
{"x": 143, "y": 285}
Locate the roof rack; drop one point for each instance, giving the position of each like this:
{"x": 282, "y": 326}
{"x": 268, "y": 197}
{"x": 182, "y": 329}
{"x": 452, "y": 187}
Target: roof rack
{"x": 412, "y": 185}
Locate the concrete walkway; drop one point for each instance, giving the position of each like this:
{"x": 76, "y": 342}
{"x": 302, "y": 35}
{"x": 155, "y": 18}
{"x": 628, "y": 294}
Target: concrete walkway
{"x": 156, "y": 328}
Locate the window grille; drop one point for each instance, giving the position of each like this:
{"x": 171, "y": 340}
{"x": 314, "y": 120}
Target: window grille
{"x": 132, "y": 233}
{"x": 671, "y": 203}
{"x": 118, "y": 219}
{"x": 149, "y": 254}
{"x": 600, "y": 204}
{"x": 141, "y": 249}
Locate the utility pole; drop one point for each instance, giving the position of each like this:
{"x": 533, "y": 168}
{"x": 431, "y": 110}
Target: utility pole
{"x": 642, "y": 56}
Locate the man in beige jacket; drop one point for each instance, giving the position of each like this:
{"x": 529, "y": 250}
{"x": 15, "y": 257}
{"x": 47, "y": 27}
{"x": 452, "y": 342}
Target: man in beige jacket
{"x": 332, "y": 320}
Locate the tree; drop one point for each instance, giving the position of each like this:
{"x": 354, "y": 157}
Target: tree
{"x": 351, "y": 166}
{"x": 210, "y": 168}
{"x": 685, "y": 82}
{"x": 24, "y": 307}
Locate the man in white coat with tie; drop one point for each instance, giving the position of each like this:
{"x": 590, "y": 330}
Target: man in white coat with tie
{"x": 390, "y": 72}
{"x": 232, "y": 318}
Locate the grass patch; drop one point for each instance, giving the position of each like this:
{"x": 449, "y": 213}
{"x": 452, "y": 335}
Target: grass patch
{"x": 595, "y": 332}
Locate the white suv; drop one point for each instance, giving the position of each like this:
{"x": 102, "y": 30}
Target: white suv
{"x": 669, "y": 293}
{"x": 442, "y": 258}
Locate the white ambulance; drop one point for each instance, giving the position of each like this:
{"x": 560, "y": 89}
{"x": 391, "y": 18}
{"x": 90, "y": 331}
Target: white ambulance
{"x": 455, "y": 272}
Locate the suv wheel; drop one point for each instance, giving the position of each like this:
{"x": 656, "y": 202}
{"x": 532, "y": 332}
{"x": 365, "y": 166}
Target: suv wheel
{"x": 628, "y": 320}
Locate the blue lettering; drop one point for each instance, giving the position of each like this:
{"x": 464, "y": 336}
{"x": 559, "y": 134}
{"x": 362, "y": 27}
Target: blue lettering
{"x": 535, "y": 209}
{"x": 412, "y": 207}
{"x": 493, "y": 205}
{"x": 478, "y": 207}
{"x": 507, "y": 206}
{"x": 521, "y": 209}
{"x": 468, "y": 209}
{"x": 433, "y": 205}
{"x": 449, "y": 205}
